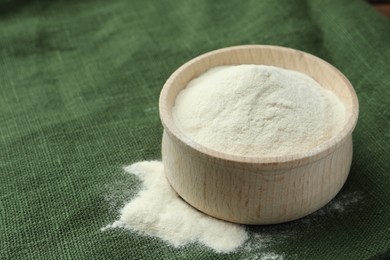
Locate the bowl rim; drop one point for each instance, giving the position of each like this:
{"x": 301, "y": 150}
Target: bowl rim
{"x": 267, "y": 163}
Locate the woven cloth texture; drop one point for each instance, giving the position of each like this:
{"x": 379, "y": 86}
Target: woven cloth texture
{"x": 79, "y": 88}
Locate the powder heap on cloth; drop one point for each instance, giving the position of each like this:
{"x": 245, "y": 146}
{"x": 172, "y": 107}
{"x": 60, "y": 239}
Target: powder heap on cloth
{"x": 159, "y": 211}
{"x": 257, "y": 110}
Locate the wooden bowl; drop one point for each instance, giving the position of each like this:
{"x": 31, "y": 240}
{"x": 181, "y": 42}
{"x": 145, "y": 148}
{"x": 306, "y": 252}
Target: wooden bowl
{"x": 262, "y": 190}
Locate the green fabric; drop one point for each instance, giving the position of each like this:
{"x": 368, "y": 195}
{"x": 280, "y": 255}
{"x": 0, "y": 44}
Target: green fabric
{"x": 79, "y": 88}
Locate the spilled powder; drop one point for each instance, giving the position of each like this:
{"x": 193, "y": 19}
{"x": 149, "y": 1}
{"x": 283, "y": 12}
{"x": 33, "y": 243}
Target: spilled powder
{"x": 159, "y": 212}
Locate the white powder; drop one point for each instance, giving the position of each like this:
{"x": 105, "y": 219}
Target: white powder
{"x": 271, "y": 256}
{"x": 257, "y": 110}
{"x": 159, "y": 211}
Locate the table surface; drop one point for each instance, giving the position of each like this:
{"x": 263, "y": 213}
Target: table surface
{"x": 383, "y": 8}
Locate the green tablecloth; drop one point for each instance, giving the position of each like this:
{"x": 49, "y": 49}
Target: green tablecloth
{"x": 79, "y": 88}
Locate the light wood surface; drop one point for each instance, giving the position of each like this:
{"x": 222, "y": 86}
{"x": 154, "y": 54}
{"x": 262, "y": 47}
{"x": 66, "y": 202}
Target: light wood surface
{"x": 253, "y": 190}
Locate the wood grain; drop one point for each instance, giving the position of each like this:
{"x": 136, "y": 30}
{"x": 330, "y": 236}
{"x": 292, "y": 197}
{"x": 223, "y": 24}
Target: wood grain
{"x": 257, "y": 190}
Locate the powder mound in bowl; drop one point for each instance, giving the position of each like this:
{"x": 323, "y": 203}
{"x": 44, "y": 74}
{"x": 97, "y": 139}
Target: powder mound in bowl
{"x": 258, "y": 111}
